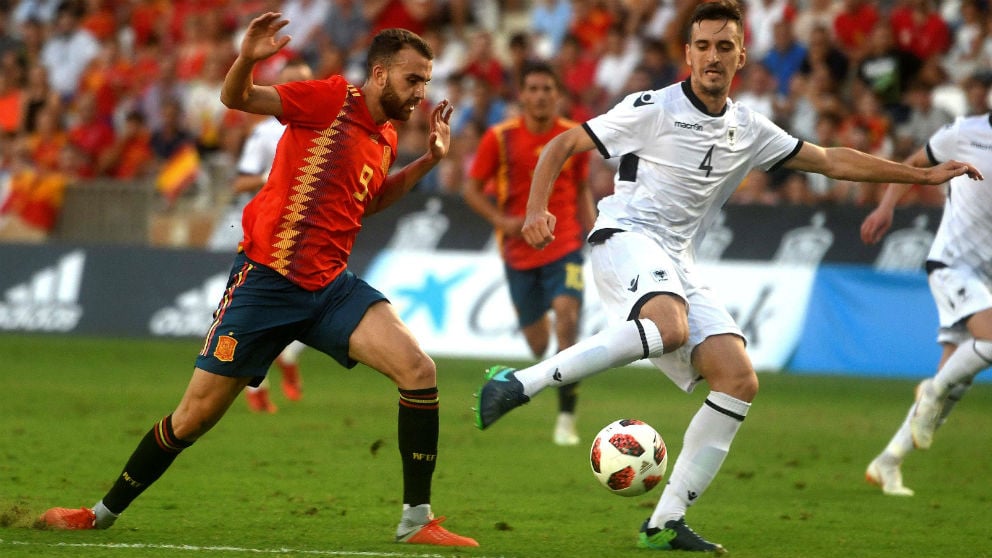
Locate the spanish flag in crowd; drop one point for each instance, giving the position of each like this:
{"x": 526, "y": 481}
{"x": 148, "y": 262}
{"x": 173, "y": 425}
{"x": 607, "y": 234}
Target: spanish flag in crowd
{"x": 178, "y": 172}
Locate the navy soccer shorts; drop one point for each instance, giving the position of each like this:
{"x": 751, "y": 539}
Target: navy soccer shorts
{"x": 261, "y": 312}
{"x": 532, "y": 290}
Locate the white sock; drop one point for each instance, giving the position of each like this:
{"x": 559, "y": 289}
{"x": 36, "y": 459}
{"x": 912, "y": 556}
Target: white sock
{"x": 104, "y": 517}
{"x": 902, "y": 441}
{"x": 964, "y": 364}
{"x": 900, "y": 444}
{"x": 291, "y": 354}
{"x": 704, "y": 448}
{"x": 614, "y": 346}
{"x": 413, "y": 517}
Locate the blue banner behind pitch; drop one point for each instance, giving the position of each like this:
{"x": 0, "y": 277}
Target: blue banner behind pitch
{"x": 865, "y": 321}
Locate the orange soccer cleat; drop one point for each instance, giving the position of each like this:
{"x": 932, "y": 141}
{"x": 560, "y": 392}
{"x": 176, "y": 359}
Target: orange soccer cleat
{"x": 292, "y": 385}
{"x": 432, "y": 533}
{"x": 68, "y": 518}
{"x": 259, "y": 402}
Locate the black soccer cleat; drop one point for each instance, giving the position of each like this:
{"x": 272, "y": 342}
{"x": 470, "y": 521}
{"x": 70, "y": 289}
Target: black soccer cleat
{"x": 675, "y": 536}
{"x": 501, "y": 393}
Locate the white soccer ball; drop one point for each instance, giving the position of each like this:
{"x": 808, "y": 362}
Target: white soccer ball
{"x": 629, "y": 457}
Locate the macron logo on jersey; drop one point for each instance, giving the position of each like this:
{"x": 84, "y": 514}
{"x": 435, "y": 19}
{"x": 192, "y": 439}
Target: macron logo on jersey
{"x": 689, "y": 126}
{"x": 193, "y": 310}
{"x": 49, "y": 301}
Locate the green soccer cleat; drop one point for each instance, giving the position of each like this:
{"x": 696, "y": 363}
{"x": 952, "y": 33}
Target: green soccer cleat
{"x": 501, "y": 393}
{"x": 675, "y": 536}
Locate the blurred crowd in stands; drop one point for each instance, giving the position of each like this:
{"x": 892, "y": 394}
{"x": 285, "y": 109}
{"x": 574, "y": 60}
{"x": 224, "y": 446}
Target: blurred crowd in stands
{"x": 130, "y": 89}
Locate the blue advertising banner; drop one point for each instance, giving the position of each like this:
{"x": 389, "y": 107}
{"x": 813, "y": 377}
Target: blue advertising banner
{"x": 864, "y": 321}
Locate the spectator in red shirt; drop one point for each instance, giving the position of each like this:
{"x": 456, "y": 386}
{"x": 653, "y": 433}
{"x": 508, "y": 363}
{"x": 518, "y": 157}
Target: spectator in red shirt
{"x": 11, "y": 100}
{"x": 91, "y": 132}
{"x": 131, "y": 154}
{"x": 47, "y": 139}
{"x": 919, "y": 29}
{"x": 591, "y": 21}
{"x": 107, "y": 77}
{"x": 577, "y": 68}
{"x": 852, "y": 27}
{"x": 483, "y": 64}
{"x": 403, "y": 14}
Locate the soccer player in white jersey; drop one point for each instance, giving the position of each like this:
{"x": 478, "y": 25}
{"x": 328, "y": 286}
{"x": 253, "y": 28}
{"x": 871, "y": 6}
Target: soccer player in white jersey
{"x": 683, "y": 150}
{"x": 959, "y": 270}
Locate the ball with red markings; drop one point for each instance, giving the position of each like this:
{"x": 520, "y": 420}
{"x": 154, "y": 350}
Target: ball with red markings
{"x": 629, "y": 457}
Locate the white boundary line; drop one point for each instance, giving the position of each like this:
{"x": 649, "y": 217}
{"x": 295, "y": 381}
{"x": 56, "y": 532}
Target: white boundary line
{"x": 194, "y": 548}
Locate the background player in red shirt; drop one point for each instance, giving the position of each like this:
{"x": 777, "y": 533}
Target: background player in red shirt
{"x": 539, "y": 280}
{"x": 290, "y": 280}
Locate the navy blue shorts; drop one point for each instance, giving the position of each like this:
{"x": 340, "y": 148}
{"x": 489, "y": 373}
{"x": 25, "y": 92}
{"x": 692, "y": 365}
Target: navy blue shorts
{"x": 532, "y": 290}
{"x": 261, "y": 312}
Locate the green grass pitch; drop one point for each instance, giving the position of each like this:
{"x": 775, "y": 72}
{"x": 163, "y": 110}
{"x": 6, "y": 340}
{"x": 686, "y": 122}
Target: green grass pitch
{"x": 321, "y": 477}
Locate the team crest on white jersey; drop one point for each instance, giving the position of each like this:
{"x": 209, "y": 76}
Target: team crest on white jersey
{"x": 732, "y": 135}
{"x": 646, "y": 98}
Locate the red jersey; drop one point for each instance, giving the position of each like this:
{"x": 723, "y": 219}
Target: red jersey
{"x": 507, "y": 155}
{"x": 926, "y": 38}
{"x": 851, "y": 29}
{"x": 331, "y": 160}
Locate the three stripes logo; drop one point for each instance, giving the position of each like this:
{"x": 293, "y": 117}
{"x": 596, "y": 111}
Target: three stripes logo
{"x": 192, "y": 312}
{"x": 48, "y": 301}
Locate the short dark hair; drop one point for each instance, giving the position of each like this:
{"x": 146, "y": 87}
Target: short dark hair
{"x": 726, "y": 10}
{"x": 538, "y": 67}
{"x": 388, "y": 42}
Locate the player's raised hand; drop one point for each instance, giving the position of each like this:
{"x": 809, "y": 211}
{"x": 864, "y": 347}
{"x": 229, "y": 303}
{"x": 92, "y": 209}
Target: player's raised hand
{"x": 950, "y": 169}
{"x": 875, "y": 225}
{"x": 439, "y": 132}
{"x": 260, "y": 40}
{"x": 539, "y": 228}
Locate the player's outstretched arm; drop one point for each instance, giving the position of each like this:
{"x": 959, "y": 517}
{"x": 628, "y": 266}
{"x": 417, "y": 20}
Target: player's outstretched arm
{"x": 843, "y": 163}
{"x": 878, "y": 222}
{"x": 239, "y": 91}
{"x": 539, "y": 224}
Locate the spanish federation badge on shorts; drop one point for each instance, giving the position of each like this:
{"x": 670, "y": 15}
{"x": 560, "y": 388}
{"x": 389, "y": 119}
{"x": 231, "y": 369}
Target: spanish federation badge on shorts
{"x": 225, "y": 348}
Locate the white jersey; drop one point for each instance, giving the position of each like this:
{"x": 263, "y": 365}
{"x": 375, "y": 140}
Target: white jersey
{"x": 256, "y": 158}
{"x": 679, "y": 164}
{"x": 964, "y": 237}
{"x": 260, "y": 148}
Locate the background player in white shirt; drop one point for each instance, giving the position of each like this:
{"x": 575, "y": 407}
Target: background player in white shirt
{"x": 959, "y": 270}
{"x": 254, "y": 164}
{"x": 683, "y": 150}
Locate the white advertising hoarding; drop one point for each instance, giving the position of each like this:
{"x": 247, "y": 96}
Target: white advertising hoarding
{"x": 457, "y": 304}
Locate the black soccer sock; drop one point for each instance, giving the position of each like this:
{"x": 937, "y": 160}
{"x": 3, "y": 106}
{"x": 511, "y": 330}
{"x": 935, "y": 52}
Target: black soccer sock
{"x": 568, "y": 397}
{"x": 156, "y": 451}
{"x": 418, "y": 433}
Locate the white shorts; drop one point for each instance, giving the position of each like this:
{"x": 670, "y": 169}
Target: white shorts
{"x": 959, "y": 292}
{"x": 628, "y": 266}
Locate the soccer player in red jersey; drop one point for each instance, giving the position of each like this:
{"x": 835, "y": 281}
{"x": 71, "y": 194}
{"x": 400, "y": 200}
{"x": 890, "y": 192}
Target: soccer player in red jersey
{"x": 538, "y": 280}
{"x": 290, "y": 280}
